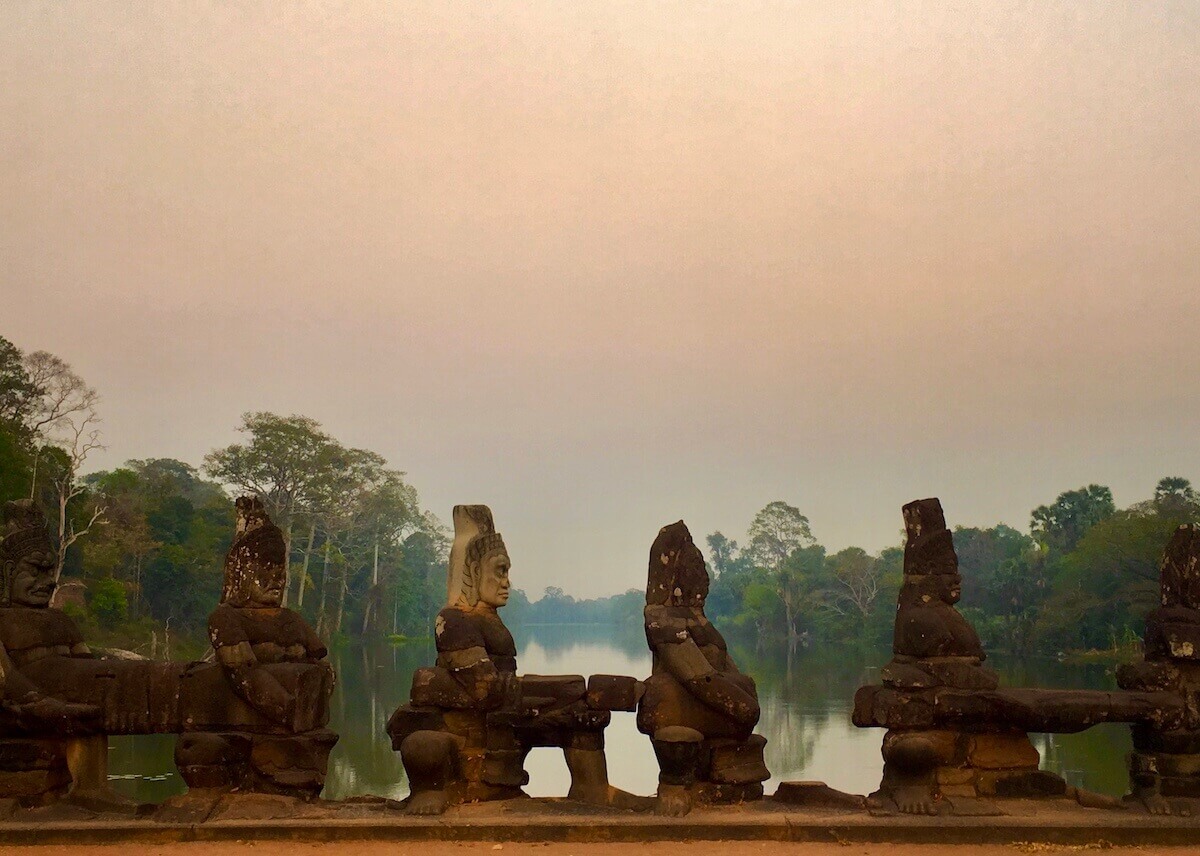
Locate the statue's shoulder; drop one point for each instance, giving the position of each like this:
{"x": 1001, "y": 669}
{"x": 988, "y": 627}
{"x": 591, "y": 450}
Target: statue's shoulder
{"x": 25, "y": 627}
{"x": 456, "y": 629}
{"x": 227, "y": 626}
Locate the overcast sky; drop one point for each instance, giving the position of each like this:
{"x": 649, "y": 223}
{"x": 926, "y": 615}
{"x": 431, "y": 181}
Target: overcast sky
{"x": 605, "y": 265}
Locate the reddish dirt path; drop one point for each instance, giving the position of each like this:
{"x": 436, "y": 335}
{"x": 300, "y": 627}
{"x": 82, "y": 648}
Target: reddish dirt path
{"x": 699, "y": 848}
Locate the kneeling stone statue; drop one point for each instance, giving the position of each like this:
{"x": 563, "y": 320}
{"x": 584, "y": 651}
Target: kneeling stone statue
{"x": 471, "y": 720}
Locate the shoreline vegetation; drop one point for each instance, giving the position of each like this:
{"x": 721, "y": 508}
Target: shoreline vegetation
{"x": 141, "y": 546}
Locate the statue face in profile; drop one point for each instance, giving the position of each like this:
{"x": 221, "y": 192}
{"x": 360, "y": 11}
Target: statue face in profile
{"x": 493, "y": 579}
{"x": 31, "y": 579}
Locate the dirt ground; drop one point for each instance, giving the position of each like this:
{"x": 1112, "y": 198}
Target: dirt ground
{"x": 699, "y": 848}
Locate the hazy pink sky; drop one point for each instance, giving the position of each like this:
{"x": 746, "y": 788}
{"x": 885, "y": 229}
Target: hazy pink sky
{"x": 604, "y": 265}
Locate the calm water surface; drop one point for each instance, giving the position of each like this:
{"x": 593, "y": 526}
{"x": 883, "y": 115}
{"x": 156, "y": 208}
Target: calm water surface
{"x": 805, "y": 717}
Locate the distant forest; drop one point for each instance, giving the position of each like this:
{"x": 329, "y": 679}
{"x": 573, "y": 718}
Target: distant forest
{"x": 141, "y": 547}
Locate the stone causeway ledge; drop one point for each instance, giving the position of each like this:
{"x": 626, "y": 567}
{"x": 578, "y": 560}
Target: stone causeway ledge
{"x": 251, "y": 818}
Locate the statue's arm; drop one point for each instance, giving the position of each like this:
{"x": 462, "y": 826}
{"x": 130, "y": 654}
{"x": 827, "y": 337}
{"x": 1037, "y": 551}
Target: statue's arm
{"x": 14, "y": 686}
{"x": 461, "y": 651}
{"x": 249, "y": 680}
{"x": 683, "y": 659}
{"x": 688, "y": 665}
{"x": 313, "y": 646}
{"x": 474, "y": 671}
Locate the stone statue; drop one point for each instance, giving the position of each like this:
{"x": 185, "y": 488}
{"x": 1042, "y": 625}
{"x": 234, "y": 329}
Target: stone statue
{"x": 698, "y": 709}
{"x": 952, "y": 733}
{"x": 1164, "y": 769}
{"x": 472, "y": 720}
{"x": 52, "y": 745}
{"x": 274, "y": 664}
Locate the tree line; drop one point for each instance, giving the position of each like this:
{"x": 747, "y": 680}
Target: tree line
{"x": 141, "y": 546}
{"x": 1081, "y": 579}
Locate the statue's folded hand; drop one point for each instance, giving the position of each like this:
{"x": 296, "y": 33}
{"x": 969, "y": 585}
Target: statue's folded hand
{"x": 50, "y": 713}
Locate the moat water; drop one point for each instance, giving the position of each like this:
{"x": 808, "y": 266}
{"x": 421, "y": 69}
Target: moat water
{"x": 806, "y": 701}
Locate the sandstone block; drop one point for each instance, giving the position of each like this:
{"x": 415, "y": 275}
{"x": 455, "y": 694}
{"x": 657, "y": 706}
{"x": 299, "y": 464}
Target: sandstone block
{"x": 504, "y": 767}
{"x": 1179, "y": 786}
{"x": 614, "y": 692}
{"x": 560, "y": 689}
{"x": 739, "y": 763}
{"x": 1002, "y": 751}
{"x": 955, "y": 775}
{"x": 1021, "y": 783}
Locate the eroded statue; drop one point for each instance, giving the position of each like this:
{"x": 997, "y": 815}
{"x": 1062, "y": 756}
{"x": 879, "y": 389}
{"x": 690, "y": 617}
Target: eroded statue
{"x": 1164, "y": 767}
{"x": 698, "y": 709}
{"x": 271, "y": 735}
{"x": 936, "y": 650}
{"x": 471, "y": 720}
{"x": 51, "y": 745}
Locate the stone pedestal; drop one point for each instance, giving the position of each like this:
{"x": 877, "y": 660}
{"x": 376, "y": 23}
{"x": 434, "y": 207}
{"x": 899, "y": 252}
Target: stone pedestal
{"x": 33, "y": 771}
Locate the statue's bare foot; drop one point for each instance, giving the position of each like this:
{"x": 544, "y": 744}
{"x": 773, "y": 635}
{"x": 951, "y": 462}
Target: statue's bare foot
{"x": 673, "y": 801}
{"x": 607, "y": 795}
{"x": 914, "y": 799}
{"x": 618, "y": 798}
{"x": 427, "y": 802}
{"x": 1156, "y": 803}
{"x": 102, "y": 800}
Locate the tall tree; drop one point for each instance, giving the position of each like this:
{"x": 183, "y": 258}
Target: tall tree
{"x": 1174, "y": 491}
{"x": 64, "y": 424}
{"x": 858, "y": 578}
{"x": 18, "y": 392}
{"x": 781, "y": 542}
{"x": 776, "y": 531}
{"x": 286, "y": 461}
{"x": 721, "y": 553}
{"x": 1060, "y": 526}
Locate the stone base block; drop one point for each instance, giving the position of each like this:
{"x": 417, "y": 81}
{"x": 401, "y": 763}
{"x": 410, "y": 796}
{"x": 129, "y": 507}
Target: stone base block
{"x": 505, "y": 767}
{"x": 716, "y": 793}
{"x": 1001, "y": 751}
{"x": 737, "y": 763}
{"x": 1019, "y": 783}
{"x": 32, "y": 771}
{"x": 291, "y": 765}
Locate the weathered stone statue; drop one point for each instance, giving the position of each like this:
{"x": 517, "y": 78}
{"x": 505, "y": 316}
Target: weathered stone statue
{"x": 1164, "y": 768}
{"x": 256, "y": 720}
{"x": 50, "y": 745}
{"x": 698, "y": 709}
{"x": 472, "y": 720}
{"x": 935, "y": 647}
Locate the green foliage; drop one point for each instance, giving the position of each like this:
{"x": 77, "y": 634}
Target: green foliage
{"x": 1102, "y": 590}
{"x": 109, "y": 603}
{"x": 1058, "y": 527}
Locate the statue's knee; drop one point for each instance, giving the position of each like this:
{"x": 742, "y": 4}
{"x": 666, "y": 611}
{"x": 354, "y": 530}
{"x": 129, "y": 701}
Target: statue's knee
{"x": 429, "y": 759}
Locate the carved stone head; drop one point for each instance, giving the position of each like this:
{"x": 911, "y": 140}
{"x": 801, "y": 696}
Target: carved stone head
{"x": 479, "y": 562}
{"x": 27, "y": 559}
{"x": 255, "y": 567}
{"x": 930, "y": 563}
{"x": 487, "y": 569}
{"x": 677, "y": 575}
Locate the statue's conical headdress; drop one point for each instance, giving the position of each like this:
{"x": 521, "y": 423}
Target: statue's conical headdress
{"x": 928, "y": 545}
{"x": 257, "y": 543}
{"x": 24, "y": 532}
{"x": 475, "y": 536}
{"x": 676, "y": 575}
{"x": 1179, "y": 576}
